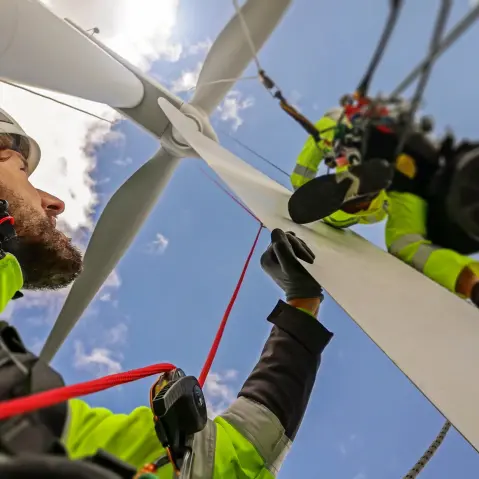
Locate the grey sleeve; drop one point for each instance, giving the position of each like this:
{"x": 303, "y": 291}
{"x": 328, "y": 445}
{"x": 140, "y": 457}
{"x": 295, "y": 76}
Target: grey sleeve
{"x": 284, "y": 376}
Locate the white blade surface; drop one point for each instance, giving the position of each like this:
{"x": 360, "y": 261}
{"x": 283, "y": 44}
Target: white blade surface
{"x": 231, "y": 52}
{"x": 118, "y": 225}
{"x": 39, "y": 49}
{"x": 429, "y": 333}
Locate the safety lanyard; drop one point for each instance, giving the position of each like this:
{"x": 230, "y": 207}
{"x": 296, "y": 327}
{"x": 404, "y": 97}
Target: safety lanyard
{"x": 361, "y": 94}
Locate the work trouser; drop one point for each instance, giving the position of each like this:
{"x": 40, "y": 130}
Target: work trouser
{"x": 376, "y": 211}
{"x": 406, "y": 238}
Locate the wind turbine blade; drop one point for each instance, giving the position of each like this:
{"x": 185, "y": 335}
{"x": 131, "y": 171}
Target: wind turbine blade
{"x": 231, "y": 52}
{"x": 39, "y": 49}
{"x": 118, "y": 225}
{"x": 428, "y": 332}
{"x": 146, "y": 113}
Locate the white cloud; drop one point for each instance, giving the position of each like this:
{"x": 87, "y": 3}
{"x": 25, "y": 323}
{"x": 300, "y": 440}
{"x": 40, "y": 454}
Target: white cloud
{"x": 140, "y": 31}
{"x": 231, "y": 107}
{"x": 6, "y": 314}
{"x": 360, "y": 475}
{"x": 295, "y": 99}
{"x": 142, "y": 34}
{"x": 113, "y": 280}
{"x": 117, "y": 334}
{"x": 229, "y": 110}
{"x": 353, "y": 441}
{"x": 36, "y": 345}
{"x": 124, "y": 161}
{"x": 187, "y": 80}
{"x": 67, "y": 139}
{"x": 51, "y": 302}
{"x": 103, "y": 181}
{"x": 200, "y": 47}
{"x": 99, "y": 361}
{"x": 158, "y": 245}
{"x": 219, "y": 392}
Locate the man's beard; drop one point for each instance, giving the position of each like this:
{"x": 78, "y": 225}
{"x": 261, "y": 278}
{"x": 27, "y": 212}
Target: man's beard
{"x": 47, "y": 257}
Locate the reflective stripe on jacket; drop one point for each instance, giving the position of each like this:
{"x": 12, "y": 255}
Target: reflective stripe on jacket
{"x": 406, "y": 238}
{"x": 310, "y": 157}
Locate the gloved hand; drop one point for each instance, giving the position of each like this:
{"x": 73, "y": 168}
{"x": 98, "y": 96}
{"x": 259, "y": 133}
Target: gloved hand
{"x": 281, "y": 262}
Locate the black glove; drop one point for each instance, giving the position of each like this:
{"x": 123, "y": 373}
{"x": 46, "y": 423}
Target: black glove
{"x": 280, "y": 261}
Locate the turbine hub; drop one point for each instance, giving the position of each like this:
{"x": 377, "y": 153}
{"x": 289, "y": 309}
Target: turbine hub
{"x": 174, "y": 142}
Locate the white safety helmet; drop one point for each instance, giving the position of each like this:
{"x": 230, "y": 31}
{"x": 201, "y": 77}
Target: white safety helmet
{"x": 334, "y": 113}
{"x": 25, "y": 145}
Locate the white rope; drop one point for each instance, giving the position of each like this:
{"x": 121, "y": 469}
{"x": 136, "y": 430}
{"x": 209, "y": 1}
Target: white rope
{"x": 228, "y": 80}
{"x": 247, "y": 33}
{"x": 56, "y": 101}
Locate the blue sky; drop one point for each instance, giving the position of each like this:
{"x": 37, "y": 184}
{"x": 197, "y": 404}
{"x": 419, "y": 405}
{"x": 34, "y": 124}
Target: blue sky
{"x": 365, "y": 420}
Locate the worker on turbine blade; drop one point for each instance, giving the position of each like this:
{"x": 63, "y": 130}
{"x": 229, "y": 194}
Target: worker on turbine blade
{"x": 355, "y": 193}
{"x": 429, "y": 200}
{"x": 433, "y": 223}
{"x": 75, "y": 441}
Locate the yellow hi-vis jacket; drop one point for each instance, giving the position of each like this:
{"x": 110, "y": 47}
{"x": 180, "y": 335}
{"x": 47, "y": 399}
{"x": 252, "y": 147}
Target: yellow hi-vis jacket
{"x": 11, "y": 279}
{"x": 306, "y": 169}
{"x": 406, "y": 238}
{"x": 250, "y": 440}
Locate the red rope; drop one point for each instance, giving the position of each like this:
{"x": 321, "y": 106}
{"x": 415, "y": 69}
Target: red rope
{"x": 54, "y": 396}
{"x": 214, "y": 348}
{"x": 7, "y": 218}
{"x": 233, "y": 197}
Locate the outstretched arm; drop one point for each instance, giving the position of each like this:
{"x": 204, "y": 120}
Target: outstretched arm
{"x": 252, "y": 437}
{"x": 285, "y": 374}
{"x": 256, "y": 432}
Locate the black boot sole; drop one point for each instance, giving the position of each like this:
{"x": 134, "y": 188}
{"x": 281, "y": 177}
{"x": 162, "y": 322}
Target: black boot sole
{"x": 324, "y": 195}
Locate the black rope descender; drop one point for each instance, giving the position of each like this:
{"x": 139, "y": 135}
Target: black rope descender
{"x": 179, "y": 410}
